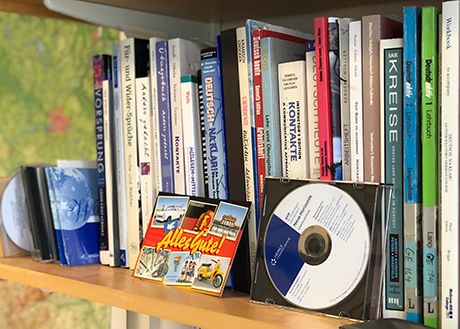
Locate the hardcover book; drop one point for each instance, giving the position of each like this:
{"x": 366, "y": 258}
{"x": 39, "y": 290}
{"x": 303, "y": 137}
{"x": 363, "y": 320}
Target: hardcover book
{"x": 191, "y": 242}
{"x": 412, "y": 167}
{"x": 231, "y": 52}
{"x": 374, "y": 28}
{"x": 312, "y": 112}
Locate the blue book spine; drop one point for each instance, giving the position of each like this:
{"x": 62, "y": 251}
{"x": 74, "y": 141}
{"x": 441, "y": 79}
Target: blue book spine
{"x": 54, "y": 213}
{"x": 412, "y": 169}
{"x": 393, "y": 78}
{"x": 252, "y": 25}
{"x": 164, "y": 117}
{"x": 99, "y": 74}
{"x": 214, "y": 123}
{"x": 77, "y": 222}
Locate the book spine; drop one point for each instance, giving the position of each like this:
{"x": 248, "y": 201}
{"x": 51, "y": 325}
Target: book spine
{"x": 292, "y": 91}
{"x": 202, "y": 133}
{"x": 344, "y": 34}
{"x": 324, "y": 97}
{"x": 214, "y": 124}
{"x": 258, "y": 111}
{"x": 98, "y": 67}
{"x": 412, "y": 169}
{"x": 130, "y": 49}
{"x": 312, "y": 112}
{"x": 371, "y": 101}
{"x": 164, "y": 117}
{"x": 450, "y": 180}
{"x": 194, "y": 182}
{"x": 175, "y": 53}
{"x": 249, "y": 178}
{"x": 430, "y": 140}
{"x": 356, "y": 103}
{"x": 110, "y": 164}
{"x": 54, "y": 205}
{"x": 144, "y": 137}
{"x": 392, "y": 117}
{"x": 156, "y": 156}
{"x": 269, "y": 79}
{"x": 119, "y": 156}
{"x": 334, "y": 80}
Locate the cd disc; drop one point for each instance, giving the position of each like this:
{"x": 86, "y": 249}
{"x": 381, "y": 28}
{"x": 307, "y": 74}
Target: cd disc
{"x": 316, "y": 246}
{"x": 14, "y": 213}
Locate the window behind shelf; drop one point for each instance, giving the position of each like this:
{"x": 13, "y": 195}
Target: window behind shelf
{"x": 46, "y": 92}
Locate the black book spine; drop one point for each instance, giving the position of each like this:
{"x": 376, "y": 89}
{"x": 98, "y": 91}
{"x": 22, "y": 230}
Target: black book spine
{"x": 235, "y": 161}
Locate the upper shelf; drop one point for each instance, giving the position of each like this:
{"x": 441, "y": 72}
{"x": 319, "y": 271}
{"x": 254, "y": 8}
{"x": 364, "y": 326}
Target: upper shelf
{"x": 116, "y": 287}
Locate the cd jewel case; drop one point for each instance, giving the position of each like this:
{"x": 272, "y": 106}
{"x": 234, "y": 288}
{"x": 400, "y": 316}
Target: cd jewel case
{"x": 320, "y": 247}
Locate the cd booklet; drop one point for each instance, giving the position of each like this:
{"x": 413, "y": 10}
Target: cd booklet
{"x": 191, "y": 242}
{"x": 320, "y": 247}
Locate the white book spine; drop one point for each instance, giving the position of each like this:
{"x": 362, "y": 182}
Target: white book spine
{"x": 449, "y": 167}
{"x": 243, "y": 74}
{"x": 293, "y": 119}
{"x": 312, "y": 113}
{"x": 345, "y": 96}
{"x": 119, "y": 156}
{"x": 176, "y": 114}
{"x": 144, "y": 138}
{"x": 131, "y": 173}
{"x": 156, "y": 167}
{"x": 106, "y": 256}
{"x": 356, "y": 102}
{"x": 194, "y": 180}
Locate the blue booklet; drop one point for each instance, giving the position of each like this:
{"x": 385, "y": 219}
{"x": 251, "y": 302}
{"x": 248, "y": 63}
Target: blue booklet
{"x": 74, "y": 206}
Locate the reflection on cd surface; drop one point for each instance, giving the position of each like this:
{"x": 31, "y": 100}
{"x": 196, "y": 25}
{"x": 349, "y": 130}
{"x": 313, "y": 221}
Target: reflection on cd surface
{"x": 316, "y": 246}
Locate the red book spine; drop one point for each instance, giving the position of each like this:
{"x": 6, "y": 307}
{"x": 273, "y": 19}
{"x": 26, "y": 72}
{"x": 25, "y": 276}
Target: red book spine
{"x": 324, "y": 97}
{"x": 258, "y": 107}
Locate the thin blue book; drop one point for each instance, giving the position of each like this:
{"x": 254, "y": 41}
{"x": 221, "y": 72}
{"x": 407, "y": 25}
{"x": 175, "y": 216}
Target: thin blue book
{"x": 412, "y": 167}
{"x": 214, "y": 123}
{"x": 164, "y": 117}
{"x": 75, "y": 209}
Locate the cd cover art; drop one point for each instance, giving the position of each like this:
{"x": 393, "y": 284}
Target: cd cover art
{"x": 319, "y": 247}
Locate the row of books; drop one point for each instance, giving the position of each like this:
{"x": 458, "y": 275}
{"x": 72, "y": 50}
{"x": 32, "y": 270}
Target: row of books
{"x": 356, "y": 100}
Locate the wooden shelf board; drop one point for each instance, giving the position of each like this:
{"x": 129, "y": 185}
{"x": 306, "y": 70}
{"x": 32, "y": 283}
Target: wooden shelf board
{"x": 116, "y": 287}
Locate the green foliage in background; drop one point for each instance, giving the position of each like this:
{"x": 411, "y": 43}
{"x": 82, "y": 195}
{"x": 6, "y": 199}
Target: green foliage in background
{"x": 46, "y": 113}
{"x": 46, "y": 96}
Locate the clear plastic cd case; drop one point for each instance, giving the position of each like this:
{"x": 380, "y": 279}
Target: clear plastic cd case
{"x": 320, "y": 247}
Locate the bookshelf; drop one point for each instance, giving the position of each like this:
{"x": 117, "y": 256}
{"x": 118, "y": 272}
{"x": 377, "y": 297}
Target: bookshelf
{"x": 116, "y": 287}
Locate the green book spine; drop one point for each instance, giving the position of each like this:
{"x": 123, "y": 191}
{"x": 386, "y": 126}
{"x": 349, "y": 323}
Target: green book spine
{"x": 429, "y": 130}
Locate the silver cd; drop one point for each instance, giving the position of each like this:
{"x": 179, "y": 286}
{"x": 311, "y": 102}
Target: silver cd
{"x": 317, "y": 246}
